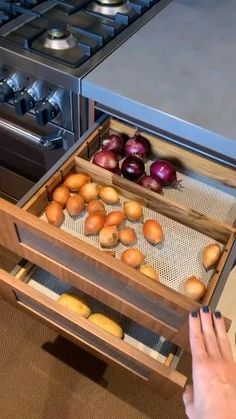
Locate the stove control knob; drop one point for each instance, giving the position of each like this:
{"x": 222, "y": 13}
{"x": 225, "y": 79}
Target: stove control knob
{"x": 45, "y": 112}
{"x": 6, "y": 92}
{"x": 23, "y": 102}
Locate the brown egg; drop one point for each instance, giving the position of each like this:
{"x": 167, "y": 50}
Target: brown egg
{"x": 61, "y": 195}
{"x": 132, "y": 257}
{"x": 194, "y": 288}
{"x": 54, "y": 214}
{"x": 75, "y": 205}
{"x": 152, "y": 231}
{"x": 75, "y": 181}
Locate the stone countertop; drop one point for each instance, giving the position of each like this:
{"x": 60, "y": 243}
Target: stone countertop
{"x": 177, "y": 74}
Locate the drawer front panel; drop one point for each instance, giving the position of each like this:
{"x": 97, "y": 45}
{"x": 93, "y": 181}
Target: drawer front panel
{"x": 77, "y": 264}
{"x": 157, "y": 375}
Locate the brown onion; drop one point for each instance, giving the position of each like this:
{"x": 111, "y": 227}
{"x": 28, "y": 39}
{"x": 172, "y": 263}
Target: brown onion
{"x": 75, "y": 205}
{"x": 152, "y": 231}
{"x": 109, "y": 195}
{"x": 54, "y": 214}
{"x": 115, "y": 218}
{"x": 61, "y": 195}
{"x": 109, "y": 236}
{"x": 89, "y": 191}
{"x": 96, "y": 206}
{"x": 194, "y": 288}
{"x": 133, "y": 210}
{"x": 75, "y": 181}
{"x": 149, "y": 271}
{"x": 94, "y": 223}
{"x": 211, "y": 255}
{"x": 128, "y": 236}
{"x": 132, "y": 257}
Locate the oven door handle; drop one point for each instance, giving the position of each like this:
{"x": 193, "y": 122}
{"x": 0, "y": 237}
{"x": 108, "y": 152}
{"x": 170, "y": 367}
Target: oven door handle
{"x": 49, "y": 142}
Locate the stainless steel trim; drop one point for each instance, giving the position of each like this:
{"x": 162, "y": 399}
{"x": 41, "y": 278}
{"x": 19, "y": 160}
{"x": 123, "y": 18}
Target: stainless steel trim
{"x": 50, "y": 142}
{"x": 169, "y": 136}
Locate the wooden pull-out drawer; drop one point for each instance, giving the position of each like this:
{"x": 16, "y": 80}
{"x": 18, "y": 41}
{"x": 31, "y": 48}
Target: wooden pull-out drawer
{"x": 145, "y": 355}
{"x": 158, "y": 305}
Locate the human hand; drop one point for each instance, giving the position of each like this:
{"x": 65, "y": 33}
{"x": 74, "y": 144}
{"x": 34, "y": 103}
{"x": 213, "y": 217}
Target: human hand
{"x": 213, "y": 394}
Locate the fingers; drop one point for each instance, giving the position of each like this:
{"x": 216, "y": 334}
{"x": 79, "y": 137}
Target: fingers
{"x": 211, "y": 343}
{"x": 198, "y": 348}
{"x": 188, "y": 400}
{"x": 222, "y": 338}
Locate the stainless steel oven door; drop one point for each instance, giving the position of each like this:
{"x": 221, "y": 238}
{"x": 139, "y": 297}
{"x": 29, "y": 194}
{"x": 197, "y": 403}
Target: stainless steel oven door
{"x": 26, "y": 155}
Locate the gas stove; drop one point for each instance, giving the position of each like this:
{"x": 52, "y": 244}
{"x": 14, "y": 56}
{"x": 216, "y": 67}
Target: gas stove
{"x": 67, "y": 32}
{"x": 46, "y": 48}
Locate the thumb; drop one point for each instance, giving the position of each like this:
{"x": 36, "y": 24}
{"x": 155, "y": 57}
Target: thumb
{"x": 188, "y": 400}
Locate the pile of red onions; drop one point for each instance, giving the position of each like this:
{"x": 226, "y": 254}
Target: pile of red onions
{"x": 149, "y": 182}
{"x": 137, "y": 146}
{"x": 136, "y": 149}
{"x": 114, "y": 143}
{"x": 107, "y": 160}
{"x": 132, "y": 168}
{"x": 163, "y": 171}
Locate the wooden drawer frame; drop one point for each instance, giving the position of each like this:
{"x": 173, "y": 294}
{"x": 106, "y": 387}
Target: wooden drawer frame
{"x": 161, "y": 377}
{"x": 170, "y": 318}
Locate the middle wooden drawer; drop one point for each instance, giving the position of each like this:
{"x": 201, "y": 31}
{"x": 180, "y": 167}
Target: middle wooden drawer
{"x": 65, "y": 252}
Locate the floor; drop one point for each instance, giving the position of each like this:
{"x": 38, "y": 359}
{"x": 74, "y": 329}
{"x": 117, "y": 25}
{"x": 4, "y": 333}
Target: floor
{"x": 45, "y": 377}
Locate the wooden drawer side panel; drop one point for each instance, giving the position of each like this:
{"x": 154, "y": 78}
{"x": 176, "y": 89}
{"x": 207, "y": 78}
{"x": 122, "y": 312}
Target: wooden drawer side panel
{"x": 156, "y": 308}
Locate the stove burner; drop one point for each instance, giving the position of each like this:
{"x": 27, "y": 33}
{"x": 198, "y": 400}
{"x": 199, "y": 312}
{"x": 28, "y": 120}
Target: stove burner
{"x": 111, "y": 2}
{"x": 58, "y": 37}
{"x": 110, "y": 7}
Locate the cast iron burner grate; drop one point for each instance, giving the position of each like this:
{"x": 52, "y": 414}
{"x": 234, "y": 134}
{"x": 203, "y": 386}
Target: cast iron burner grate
{"x": 87, "y": 30}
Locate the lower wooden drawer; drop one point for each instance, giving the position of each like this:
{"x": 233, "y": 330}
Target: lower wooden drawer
{"x": 148, "y": 357}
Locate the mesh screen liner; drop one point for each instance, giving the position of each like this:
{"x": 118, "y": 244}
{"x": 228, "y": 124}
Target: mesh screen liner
{"x": 136, "y": 335}
{"x": 74, "y": 261}
{"x": 177, "y": 258}
{"x": 204, "y": 195}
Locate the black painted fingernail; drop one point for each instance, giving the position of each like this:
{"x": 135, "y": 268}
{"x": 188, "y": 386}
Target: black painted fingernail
{"x": 194, "y": 314}
{"x": 205, "y": 309}
{"x": 217, "y": 314}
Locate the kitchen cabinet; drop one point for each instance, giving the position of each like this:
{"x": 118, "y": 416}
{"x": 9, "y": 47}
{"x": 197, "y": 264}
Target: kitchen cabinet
{"x": 151, "y": 308}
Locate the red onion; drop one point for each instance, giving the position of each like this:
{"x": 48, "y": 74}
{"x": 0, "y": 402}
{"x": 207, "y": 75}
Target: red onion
{"x": 114, "y": 143}
{"x": 164, "y": 172}
{"x": 132, "y": 168}
{"x": 150, "y": 183}
{"x": 107, "y": 160}
{"x": 137, "y": 146}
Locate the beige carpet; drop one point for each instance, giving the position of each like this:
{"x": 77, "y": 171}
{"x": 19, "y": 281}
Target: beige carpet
{"x": 44, "y": 377}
